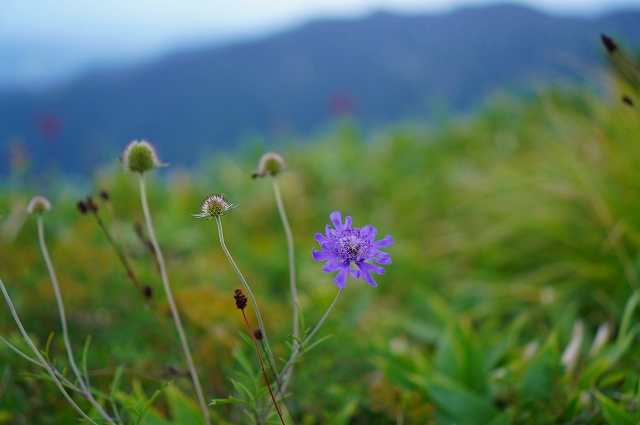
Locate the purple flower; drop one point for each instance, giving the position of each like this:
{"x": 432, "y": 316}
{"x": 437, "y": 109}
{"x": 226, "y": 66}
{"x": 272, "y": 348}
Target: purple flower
{"x": 345, "y": 245}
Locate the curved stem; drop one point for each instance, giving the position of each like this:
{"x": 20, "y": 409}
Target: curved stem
{"x": 40, "y": 357}
{"x": 247, "y": 288}
{"x": 63, "y": 321}
{"x": 172, "y": 303}
{"x": 292, "y": 267}
{"x": 296, "y": 352}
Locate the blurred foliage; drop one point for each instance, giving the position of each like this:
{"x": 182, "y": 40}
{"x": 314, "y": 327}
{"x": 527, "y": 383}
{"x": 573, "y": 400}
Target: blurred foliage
{"x": 516, "y": 239}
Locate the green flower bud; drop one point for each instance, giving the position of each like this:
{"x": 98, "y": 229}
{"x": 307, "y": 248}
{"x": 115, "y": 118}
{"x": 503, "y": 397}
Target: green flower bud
{"x": 140, "y": 157}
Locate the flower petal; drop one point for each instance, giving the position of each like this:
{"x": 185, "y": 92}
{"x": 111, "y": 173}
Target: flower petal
{"x": 336, "y": 219}
{"x": 341, "y": 279}
{"x": 320, "y": 255}
{"x": 386, "y": 241}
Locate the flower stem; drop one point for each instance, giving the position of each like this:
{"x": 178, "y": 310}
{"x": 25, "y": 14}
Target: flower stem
{"x": 292, "y": 267}
{"x": 172, "y": 304}
{"x": 264, "y": 372}
{"x": 246, "y": 287}
{"x": 63, "y": 320}
{"x": 42, "y": 360}
{"x": 298, "y": 348}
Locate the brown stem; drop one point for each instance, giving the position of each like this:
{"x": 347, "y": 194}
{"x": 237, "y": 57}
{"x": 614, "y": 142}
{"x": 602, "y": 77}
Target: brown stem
{"x": 264, "y": 372}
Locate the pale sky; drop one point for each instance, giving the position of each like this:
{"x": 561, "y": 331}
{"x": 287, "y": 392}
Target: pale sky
{"x": 32, "y": 32}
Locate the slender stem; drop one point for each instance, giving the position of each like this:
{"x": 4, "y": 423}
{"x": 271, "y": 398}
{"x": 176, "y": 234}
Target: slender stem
{"x": 296, "y": 352}
{"x": 63, "y": 321}
{"x": 130, "y": 273}
{"x": 172, "y": 304}
{"x": 264, "y": 372}
{"x": 292, "y": 267}
{"x": 41, "y": 358}
{"x": 120, "y": 252}
{"x": 247, "y": 288}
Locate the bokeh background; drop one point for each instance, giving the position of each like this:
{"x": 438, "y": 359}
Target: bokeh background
{"x": 491, "y": 141}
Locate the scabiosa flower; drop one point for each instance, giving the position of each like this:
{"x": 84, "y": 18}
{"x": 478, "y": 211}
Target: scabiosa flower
{"x": 38, "y": 204}
{"x": 270, "y": 164}
{"x": 213, "y": 206}
{"x": 345, "y": 245}
{"x": 140, "y": 156}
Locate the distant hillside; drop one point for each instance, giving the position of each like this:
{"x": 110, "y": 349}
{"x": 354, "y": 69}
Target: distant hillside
{"x": 377, "y": 69}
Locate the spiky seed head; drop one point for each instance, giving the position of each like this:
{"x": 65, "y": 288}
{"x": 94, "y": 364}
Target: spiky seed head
{"x": 213, "y": 206}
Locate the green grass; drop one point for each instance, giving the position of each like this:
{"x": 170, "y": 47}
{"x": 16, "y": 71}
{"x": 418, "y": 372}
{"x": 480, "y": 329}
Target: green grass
{"x": 510, "y": 227}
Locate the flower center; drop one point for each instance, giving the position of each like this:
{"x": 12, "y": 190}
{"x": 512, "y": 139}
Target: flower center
{"x": 351, "y": 246}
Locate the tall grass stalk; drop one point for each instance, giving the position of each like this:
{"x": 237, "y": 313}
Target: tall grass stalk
{"x": 247, "y": 288}
{"x": 63, "y": 320}
{"x": 291, "y": 254}
{"x": 44, "y": 363}
{"x": 170, "y": 300}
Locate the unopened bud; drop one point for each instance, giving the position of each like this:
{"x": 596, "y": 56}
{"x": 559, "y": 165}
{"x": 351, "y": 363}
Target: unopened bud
{"x": 257, "y": 333}
{"x": 140, "y": 157}
{"x": 82, "y": 207}
{"x": 270, "y": 164}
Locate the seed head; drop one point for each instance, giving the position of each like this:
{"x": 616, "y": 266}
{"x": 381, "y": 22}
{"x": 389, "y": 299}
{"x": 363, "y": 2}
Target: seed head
{"x": 147, "y": 291}
{"x": 140, "y": 156}
{"x": 104, "y": 195}
{"x": 241, "y": 299}
{"x": 213, "y": 206}
{"x": 609, "y": 44}
{"x": 82, "y": 207}
{"x": 257, "y": 333}
{"x": 38, "y": 204}
{"x": 91, "y": 204}
{"x": 270, "y": 164}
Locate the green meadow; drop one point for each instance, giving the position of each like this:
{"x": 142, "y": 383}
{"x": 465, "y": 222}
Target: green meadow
{"x": 513, "y": 296}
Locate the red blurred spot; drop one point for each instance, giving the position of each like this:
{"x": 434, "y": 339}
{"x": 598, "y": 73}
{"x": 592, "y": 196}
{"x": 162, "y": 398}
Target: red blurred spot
{"x": 49, "y": 125}
{"x": 340, "y": 105}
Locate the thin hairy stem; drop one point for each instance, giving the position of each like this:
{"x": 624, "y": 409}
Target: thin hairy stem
{"x": 43, "y": 361}
{"x": 299, "y": 347}
{"x": 119, "y": 252}
{"x": 130, "y": 273}
{"x": 264, "y": 372}
{"x": 63, "y": 319}
{"x": 246, "y": 287}
{"x": 292, "y": 266}
{"x": 172, "y": 304}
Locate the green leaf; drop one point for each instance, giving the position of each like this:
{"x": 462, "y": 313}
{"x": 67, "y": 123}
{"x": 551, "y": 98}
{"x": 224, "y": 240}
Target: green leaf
{"x": 244, "y": 362}
{"x": 628, "y": 314}
{"x": 460, "y": 359}
{"x": 538, "y": 380}
{"x": 461, "y": 404}
{"x": 241, "y": 388}
{"x": 228, "y": 400}
{"x": 183, "y": 410}
{"x": 614, "y": 414}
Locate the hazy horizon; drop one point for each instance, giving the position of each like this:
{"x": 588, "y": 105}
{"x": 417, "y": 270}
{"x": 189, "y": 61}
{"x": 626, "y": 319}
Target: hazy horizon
{"x": 54, "y": 44}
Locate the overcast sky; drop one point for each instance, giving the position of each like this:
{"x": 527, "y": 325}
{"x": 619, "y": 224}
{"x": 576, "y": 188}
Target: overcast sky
{"x": 39, "y": 36}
